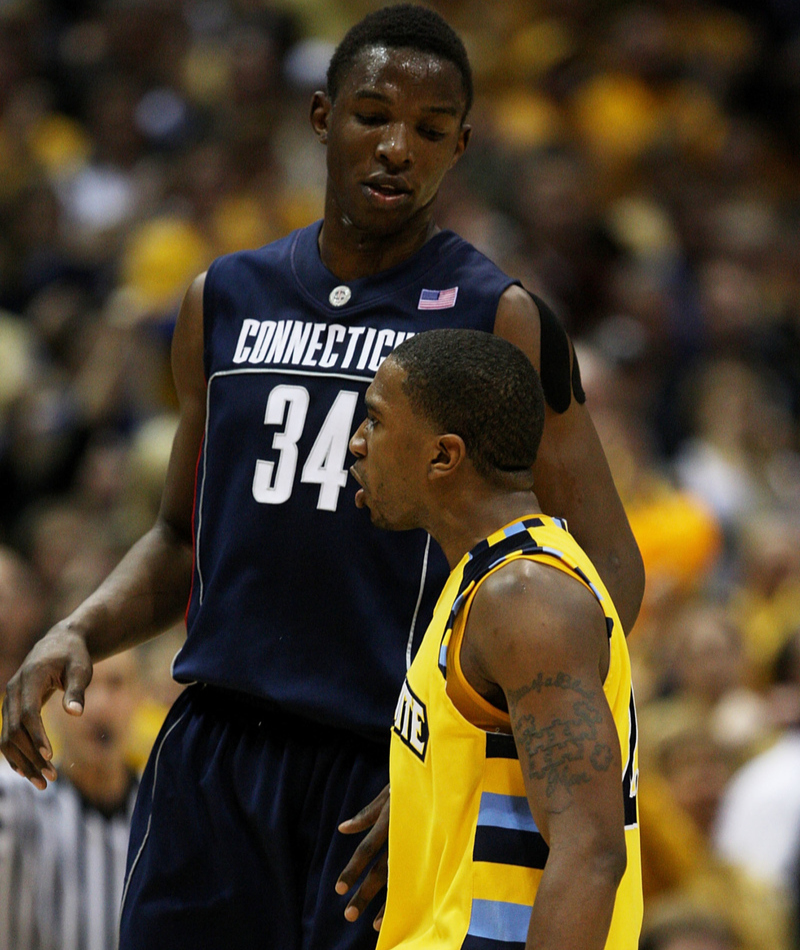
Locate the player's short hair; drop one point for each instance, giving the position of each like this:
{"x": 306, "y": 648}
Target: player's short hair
{"x": 402, "y": 26}
{"x": 478, "y": 386}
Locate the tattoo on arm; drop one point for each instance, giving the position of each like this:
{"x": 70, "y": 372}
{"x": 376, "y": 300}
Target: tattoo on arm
{"x": 560, "y": 752}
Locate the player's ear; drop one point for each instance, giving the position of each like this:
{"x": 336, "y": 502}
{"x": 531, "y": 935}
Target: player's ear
{"x": 320, "y": 112}
{"x": 448, "y": 454}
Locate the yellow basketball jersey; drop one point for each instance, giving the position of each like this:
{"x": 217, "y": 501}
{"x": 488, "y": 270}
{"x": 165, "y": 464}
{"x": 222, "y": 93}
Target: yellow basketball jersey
{"x": 465, "y": 855}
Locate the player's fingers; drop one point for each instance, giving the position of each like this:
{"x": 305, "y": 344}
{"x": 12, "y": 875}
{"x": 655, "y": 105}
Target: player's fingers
{"x": 77, "y": 676}
{"x": 39, "y": 754}
{"x": 14, "y": 736}
{"x": 16, "y": 742}
{"x": 372, "y": 884}
{"x": 367, "y": 849}
{"x": 376, "y": 924}
{"x": 35, "y": 775}
{"x": 34, "y": 692}
{"x": 364, "y": 855}
{"x": 31, "y": 690}
{"x": 368, "y": 815}
{"x": 38, "y": 751}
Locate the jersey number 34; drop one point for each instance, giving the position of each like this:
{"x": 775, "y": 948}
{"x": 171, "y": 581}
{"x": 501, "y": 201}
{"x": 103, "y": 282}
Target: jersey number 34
{"x": 325, "y": 464}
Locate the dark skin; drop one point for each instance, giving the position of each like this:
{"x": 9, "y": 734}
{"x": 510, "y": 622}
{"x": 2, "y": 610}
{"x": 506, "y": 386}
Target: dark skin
{"x": 535, "y": 644}
{"x": 393, "y": 133}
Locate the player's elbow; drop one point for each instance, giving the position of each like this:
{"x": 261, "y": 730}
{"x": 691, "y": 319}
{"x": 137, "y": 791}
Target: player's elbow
{"x": 607, "y": 862}
{"x": 594, "y": 850}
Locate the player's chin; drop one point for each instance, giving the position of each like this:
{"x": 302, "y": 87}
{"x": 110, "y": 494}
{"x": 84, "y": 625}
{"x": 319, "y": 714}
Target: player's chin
{"x": 384, "y": 222}
{"x": 379, "y": 519}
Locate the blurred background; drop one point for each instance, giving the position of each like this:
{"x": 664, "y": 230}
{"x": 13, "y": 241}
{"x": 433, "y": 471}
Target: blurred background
{"x": 635, "y": 164}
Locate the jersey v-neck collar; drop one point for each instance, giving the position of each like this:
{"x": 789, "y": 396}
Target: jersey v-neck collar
{"x": 317, "y": 283}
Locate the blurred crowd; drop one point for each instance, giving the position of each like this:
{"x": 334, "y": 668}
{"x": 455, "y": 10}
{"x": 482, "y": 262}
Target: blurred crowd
{"x": 635, "y": 164}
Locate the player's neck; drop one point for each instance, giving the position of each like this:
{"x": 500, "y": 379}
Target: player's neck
{"x": 350, "y": 252}
{"x": 468, "y": 521}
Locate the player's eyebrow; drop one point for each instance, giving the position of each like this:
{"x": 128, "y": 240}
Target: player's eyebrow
{"x": 444, "y": 110}
{"x": 386, "y": 100}
{"x": 371, "y": 94}
{"x": 373, "y": 405}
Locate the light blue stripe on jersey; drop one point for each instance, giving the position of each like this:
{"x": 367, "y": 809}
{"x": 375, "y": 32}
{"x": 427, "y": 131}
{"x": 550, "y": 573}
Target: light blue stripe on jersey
{"x": 499, "y": 920}
{"x": 443, "y": 656}
{"x": 578, "y": 571}
{"x": 506, "y": 811}
{"x": 457, "y": 605}
{"x": 515, "y": 528}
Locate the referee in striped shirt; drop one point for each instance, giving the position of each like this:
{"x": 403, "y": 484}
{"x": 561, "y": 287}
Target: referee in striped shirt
{"x": 63, "y": 850}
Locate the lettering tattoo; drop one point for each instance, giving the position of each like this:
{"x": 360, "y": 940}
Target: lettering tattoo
{"x": 561, "y": 752}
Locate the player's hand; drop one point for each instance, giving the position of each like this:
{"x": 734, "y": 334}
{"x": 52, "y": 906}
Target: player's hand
{"x": 59, "y": 660}
{"x": 374, "y": 817}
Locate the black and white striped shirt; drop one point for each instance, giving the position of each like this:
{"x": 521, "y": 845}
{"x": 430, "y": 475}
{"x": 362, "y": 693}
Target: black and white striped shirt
{"x": 62, "y": 866}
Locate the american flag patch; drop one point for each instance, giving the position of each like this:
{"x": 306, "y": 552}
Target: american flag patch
{"x": 437, "y": 299}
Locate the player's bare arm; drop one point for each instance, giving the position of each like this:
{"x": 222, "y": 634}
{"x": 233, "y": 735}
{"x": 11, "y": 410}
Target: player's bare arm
{"x": 146, "y": 592}
{"x": 572, "y": 476}
{"x": 536, "y": 641}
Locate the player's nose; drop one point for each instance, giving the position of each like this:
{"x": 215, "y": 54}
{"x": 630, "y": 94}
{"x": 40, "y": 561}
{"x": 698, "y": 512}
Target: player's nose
{"x": 394, "y": 147}
{"x": 358, "y": 444}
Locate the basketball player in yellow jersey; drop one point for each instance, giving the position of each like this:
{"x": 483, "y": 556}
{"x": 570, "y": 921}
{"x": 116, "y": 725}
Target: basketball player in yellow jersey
{"x": 513, "y": 770}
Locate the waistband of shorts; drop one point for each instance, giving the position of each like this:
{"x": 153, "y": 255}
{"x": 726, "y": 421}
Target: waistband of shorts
{"x": 246, "y": 707}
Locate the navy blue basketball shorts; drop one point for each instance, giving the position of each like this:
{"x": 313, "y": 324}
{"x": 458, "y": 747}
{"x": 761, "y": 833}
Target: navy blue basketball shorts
{"x": 234, "y": 840}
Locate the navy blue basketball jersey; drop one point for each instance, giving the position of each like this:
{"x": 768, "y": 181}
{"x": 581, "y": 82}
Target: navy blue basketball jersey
{"x": 297, "y": 598}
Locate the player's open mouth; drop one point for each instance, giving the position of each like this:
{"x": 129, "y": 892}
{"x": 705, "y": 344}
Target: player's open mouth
{"x": 386, "y": 191}
{"x": 360, "y": 497}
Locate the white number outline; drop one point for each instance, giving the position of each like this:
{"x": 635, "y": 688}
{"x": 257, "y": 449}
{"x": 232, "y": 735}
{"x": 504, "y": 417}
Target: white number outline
{"x": 291, "y": 402}
{"x": 273, "y": 482}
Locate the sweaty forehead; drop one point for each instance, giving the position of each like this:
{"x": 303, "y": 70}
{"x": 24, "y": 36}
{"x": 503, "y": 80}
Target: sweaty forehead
{"x": 386, "y": 389}
{"x": 404, "y": 70}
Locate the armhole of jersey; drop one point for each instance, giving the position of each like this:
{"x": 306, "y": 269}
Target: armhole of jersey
{"x": 466, "y": 699}
{"x": 207, "y": 304}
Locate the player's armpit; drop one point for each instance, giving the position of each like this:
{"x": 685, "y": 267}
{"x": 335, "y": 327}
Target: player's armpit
{"x": 572, "y": 477}
{"x": 188, "y": 372}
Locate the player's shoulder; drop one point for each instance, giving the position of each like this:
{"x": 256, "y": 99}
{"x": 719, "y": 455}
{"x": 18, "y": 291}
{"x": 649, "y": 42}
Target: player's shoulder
{"x": 275, "y": 253}
{"x": 448, "y": 242}
{"x": 535, "y": 600}
{"x": 519, "y": 308}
